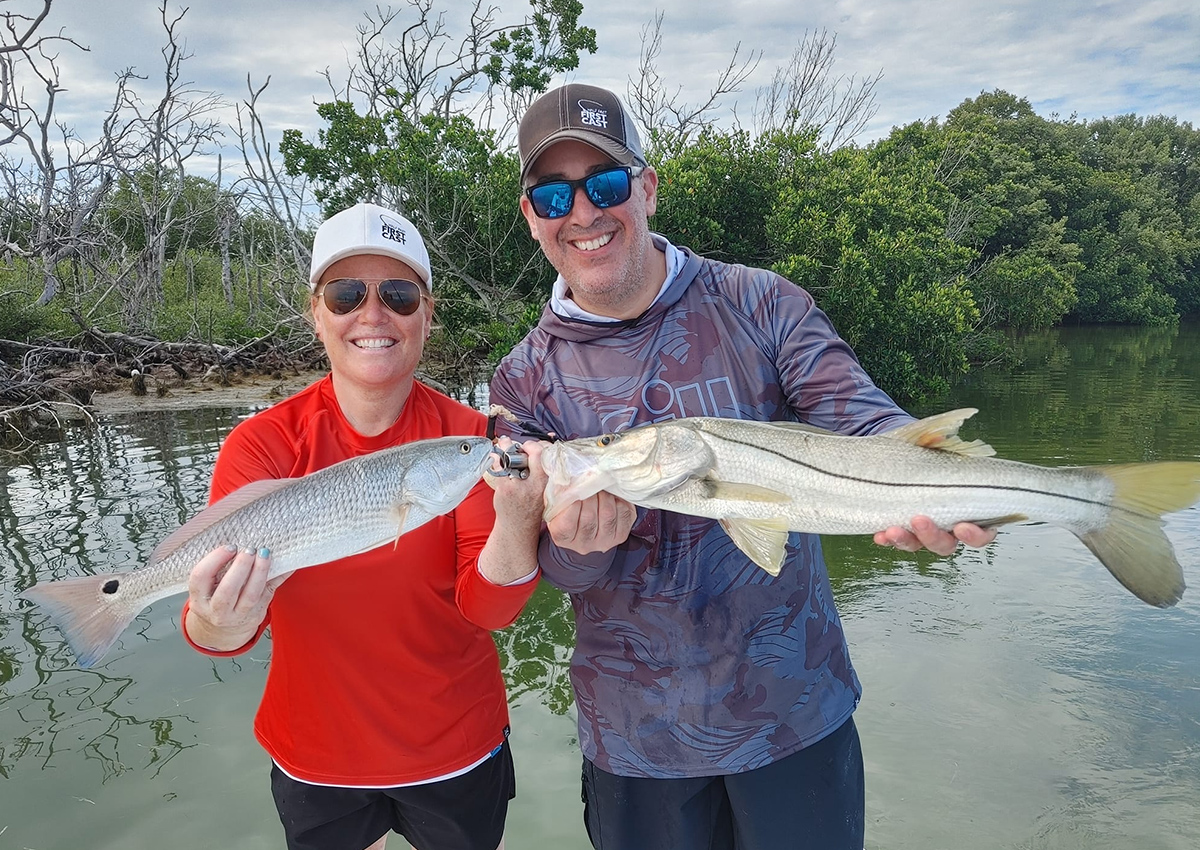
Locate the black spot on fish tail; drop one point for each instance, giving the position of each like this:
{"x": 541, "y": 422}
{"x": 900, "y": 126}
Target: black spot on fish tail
{"x": 111, "y": 586}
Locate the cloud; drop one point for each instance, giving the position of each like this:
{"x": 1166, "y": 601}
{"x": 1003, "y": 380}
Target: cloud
{"x": 1090, "y": 58}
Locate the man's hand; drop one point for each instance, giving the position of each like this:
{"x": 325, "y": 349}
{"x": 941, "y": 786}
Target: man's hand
{"x": 926, "y": 535}
{"x": 596, "y": 524}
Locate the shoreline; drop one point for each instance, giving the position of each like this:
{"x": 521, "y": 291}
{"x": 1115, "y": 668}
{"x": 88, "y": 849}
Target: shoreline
{"x": 241, "y": 391}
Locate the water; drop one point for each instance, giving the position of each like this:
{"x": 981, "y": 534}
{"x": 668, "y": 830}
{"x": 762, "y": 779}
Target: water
{"x": 1016, "y": 697}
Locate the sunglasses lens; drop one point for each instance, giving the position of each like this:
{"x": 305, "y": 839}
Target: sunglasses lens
{"x": 343, "y": 296}
{"x": 608, "y": 188}
{"x": 604, "y": 189}
{"x": 552, "y": 200}
{"x": 400, "y": 296}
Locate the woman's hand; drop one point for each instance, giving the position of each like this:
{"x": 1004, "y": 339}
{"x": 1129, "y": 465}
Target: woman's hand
{"x": 228, "y": 595}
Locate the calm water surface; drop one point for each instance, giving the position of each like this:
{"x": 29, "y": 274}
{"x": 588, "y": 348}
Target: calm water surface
{"x": 1016, "y": 697}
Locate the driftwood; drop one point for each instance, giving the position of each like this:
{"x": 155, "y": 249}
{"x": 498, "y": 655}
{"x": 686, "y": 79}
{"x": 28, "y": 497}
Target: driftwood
{"x": 46, "y": 382}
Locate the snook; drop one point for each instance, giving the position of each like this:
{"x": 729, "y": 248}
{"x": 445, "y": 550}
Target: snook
{"x": 344, "y": 509}
{"x": 764, "y": 479}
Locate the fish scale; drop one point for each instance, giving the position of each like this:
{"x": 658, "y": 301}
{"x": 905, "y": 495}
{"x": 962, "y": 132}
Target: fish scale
{"x": 762, "y": 480}
{"x": 342, "y": 510}
{"x": 947, "y": 487}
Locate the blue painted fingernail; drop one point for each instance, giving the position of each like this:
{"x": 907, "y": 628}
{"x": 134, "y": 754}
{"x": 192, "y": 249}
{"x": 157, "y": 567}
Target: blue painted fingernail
{"x": 229, "y": 547}
{"x": 264, "y": 552}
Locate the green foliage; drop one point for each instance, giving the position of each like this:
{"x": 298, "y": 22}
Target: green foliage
{"x": 869, "y": 243}
{"x": 141, "y": 206}
{"x": 348, "y": 158}
{"x": 1032, "y": 287}
{"x": 716, "y": 192}
{"x": 195, "y": 307}
{"x": 530, "y": 55}
{"x": 926, "y": 248}
{"x": 22, "y": 320}
{"x": 1092, "y": 221}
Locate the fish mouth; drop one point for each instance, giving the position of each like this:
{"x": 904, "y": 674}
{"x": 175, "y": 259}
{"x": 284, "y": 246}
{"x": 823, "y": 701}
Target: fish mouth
{"x": 572, "y": 477}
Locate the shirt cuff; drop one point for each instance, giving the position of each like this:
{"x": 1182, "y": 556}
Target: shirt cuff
{"x": 217, "y": 653}
{"x": 515, "y": 582}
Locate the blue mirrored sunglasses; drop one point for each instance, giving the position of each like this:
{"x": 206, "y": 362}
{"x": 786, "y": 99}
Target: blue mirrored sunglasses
{"x": 608, "y": 188}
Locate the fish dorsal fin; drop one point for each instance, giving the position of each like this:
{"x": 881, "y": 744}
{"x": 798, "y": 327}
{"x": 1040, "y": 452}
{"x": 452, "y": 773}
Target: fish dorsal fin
{"x": 940, "y": 432}
{"x": 214, "y": 513}
{"x": 737, "y": 491}
{"x": 763, "y": 541}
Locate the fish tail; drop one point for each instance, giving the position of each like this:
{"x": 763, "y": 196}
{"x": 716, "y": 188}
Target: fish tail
{"x": 1132, "y": 544}
{"x": 89, "y": 611}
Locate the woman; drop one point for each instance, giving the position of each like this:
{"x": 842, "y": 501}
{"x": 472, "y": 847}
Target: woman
{"x": 384, "y": 707}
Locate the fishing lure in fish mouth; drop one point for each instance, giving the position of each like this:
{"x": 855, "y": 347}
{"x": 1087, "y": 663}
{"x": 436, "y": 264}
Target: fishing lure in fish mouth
{"x": 513, "y": 463}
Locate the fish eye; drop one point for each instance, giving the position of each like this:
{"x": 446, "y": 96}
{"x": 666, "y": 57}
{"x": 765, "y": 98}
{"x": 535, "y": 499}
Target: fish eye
{"x": 464, "y": 447}
{"x": 607, "y": 440}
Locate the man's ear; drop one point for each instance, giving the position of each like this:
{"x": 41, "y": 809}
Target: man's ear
{"x": 650, "y": 186}
{"x": 530, "y": 218}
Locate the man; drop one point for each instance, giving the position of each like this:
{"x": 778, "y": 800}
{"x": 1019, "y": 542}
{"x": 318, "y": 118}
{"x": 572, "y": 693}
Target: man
{"x": 714, "y": 701}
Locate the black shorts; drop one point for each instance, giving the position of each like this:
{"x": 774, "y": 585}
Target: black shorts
{"x": 463, "y": 813}
{"x": 813, "y": 799}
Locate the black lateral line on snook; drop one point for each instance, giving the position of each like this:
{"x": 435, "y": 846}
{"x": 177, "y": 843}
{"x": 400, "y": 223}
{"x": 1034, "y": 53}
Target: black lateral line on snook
{"x": 856, "y": 479}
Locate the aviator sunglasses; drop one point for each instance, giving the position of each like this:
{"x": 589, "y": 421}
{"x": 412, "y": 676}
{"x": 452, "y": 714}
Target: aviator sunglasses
{"x": 608, "y": 188}
{"x": 347, "y": 294}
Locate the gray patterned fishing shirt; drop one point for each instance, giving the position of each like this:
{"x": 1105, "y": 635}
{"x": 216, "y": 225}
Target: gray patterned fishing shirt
{"x": 689, "y": 659}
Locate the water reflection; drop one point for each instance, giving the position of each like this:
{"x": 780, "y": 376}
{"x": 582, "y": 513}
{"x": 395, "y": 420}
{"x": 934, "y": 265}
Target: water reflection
{"x": 96, "y": 501}
{"x": 1016, "y": 697}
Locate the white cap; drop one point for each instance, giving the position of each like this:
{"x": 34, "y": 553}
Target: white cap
{"x": 368, "y": 229}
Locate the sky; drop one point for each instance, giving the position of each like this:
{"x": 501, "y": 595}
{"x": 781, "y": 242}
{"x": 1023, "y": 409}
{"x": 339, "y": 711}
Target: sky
{"x": 1092, "y": 59}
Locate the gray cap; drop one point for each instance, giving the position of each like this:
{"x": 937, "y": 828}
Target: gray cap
{"x": 587, "y": 114}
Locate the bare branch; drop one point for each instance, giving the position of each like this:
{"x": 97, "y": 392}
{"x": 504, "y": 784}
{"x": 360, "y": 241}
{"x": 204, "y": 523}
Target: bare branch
{"x": 674, "y": 121}
{"x": 20, "y": 32}
{"x": 806, "y": 94}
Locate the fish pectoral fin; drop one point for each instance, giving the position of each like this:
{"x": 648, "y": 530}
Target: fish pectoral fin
{"x": 940, "y": 432}
{"x": 739, "y": 491}
{"x": 993, "y": 522}
{"x": 401, "y": 513}
{"x": 763, "y": 541}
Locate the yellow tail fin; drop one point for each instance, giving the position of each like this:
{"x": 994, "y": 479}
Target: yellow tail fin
{"x": 1132, "y": 545}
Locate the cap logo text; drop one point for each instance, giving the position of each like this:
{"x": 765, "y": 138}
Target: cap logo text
{"x": 394, "y": 232}
{"x": 592, "y": 114}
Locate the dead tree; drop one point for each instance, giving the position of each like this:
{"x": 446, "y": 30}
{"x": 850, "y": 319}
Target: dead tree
{"x": 806, "y": 94}
{"x": 53, "y": 183}
{"x": 672, "y": 121}
{"x": 161, "y": 139}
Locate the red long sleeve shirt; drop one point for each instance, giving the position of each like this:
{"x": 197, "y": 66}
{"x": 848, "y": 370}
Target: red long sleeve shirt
{"x": 383, "y": 671}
